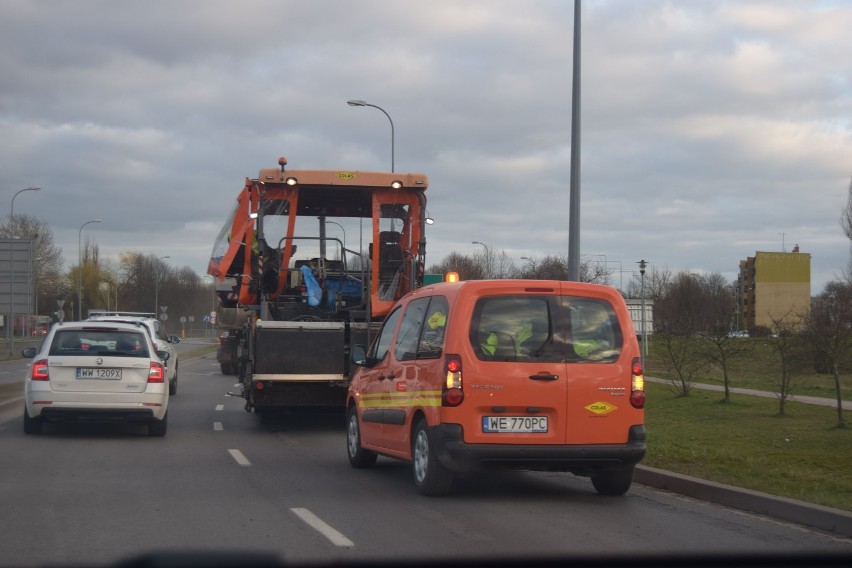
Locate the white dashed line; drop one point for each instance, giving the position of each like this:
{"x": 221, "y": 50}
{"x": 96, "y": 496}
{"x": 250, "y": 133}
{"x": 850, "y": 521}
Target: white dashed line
{"x": 220, "y": 407}
{"x": 328, "y": 532}
{"x": 239, "y": 457}
{"x": 218, "y": 426}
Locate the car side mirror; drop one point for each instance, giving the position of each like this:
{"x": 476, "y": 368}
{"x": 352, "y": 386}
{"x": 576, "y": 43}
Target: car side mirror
{"x": 164, "y": 355}
{"x": 359, "y": 356}
{"x": 174, "y": 338}
{"x": 29, "y": 352}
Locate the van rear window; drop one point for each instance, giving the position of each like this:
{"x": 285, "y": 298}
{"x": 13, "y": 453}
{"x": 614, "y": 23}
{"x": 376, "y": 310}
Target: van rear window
{"x": 545, "y": 329}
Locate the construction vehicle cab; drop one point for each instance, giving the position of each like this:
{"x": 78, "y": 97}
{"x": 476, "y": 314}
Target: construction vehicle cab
{"x": 298, "y": 296}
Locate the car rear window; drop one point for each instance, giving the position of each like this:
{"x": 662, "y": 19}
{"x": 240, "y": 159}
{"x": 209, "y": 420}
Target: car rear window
{"x": 545, "y": 329}
{"x": 99, "y": 342}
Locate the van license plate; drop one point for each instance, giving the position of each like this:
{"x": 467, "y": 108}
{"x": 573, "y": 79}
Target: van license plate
{"x": 98, "y": 373}
{"x": 514, "y": 424}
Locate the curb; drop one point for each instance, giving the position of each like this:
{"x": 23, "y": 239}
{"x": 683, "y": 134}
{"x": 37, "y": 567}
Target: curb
{"x": 808, "y": 514}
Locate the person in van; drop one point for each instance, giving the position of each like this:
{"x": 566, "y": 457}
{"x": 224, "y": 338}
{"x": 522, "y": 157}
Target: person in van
{"x": 507, "y": 374}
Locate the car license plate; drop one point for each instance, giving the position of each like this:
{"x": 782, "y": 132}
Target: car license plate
{"x": 514, "y": 424}
{"x": 98, "y": 373}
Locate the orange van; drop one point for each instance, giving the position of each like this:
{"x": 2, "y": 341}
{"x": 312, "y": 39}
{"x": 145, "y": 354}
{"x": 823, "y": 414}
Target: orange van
{"x": 502, "y": 374}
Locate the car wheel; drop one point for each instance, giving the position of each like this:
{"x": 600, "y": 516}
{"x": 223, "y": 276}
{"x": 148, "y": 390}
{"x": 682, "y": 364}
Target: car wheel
{"x": 614, "y": 482}
{"x": 430, "y": 476}
{"x": 173, "y": 383}
{"x": 31, "y": 425}
{"x": 158, "y": 427}
{"x": 358, "y": 456}
{"x": 226, "y": 369}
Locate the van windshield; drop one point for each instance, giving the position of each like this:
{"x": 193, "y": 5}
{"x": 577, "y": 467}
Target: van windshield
{"x": 545, "y": 329}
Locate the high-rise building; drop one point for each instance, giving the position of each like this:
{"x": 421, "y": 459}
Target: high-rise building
{"x": 773, "y": 286}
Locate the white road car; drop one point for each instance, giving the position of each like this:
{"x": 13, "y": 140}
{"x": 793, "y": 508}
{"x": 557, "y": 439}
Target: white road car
{"x": 157, "y": 331}
{"x": 96, "y": 371}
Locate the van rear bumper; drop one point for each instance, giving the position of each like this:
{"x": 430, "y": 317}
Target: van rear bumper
{"x": 458, "y": 456}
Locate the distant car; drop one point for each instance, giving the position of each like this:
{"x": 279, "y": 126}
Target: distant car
{"x": 96, "y": 371}
{"x": 735, "y": 334}
{"x": 226, "y": 352}
{"x": 157, "y": 331}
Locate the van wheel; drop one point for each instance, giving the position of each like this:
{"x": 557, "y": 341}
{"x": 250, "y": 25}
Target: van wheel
{"x": 430, "y": 476}
{"x": 358, "y": 456}
{"x": 158, "y": 427}
{"x": 31, "y": 425}
{"x": 614, "y": 482}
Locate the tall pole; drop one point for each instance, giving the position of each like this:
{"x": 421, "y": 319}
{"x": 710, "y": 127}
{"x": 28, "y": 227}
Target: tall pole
{"x": 157, "y": 286}
{"x": 642, "y": 265}
{"x": 574, "y": 201}
{"x": 360, "y": 103}
{"x": 80, "y": 268}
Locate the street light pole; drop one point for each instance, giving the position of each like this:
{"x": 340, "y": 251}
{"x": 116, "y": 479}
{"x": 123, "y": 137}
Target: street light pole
{"x": 80, "y": 268}
{"x": 157, "y": 286}
{"x": 344, "y": 233}
{"x": 360, "y": 103}
{"x": 12, "y": 212}
{"x": 487, "y": 258}
{"x": 642, "y": 266}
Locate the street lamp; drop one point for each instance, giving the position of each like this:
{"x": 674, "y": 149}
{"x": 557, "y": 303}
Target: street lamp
{"x": 157, "y": 286}
{"x": 642, "y": 266}
{"x": 487, "y": 258}
{"x": 360, "y": 103}
{"x": 341, "y": 228}
{"x": 12, "y": 213}
{"x": 80, "y": 268}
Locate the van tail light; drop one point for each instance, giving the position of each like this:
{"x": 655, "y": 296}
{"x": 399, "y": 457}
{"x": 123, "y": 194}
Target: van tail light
{"x": 637, "y": 384}
{"x": 452, "y": 393}
{"x": 156, "y": 373}
{"x": 39, "y": 371}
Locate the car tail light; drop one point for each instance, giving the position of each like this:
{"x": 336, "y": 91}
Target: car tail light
{"x": 637, "y": 384}
{"x": 156, "y": 373}
{"x": 452, "y": 394}
{"x": 39, "y": 371}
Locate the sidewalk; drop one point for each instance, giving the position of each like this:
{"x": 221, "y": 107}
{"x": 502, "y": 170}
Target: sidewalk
{"x": 846, "y": 404}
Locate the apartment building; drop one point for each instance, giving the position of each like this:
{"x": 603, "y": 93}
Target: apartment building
{"x": 773, "y": 286}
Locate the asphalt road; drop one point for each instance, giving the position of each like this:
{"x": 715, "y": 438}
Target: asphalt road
{"x": 221, "y": 481}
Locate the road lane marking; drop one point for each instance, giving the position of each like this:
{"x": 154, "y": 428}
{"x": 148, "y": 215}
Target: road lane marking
{"x": 220, "y": 407}
{"x": 218, "y": 426}
{"x": 239, "y": 457}
{"x": 336, "y": 537}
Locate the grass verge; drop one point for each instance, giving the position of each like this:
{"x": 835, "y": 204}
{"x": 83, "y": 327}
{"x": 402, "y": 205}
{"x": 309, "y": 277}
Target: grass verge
{"x": 745, "y": 443}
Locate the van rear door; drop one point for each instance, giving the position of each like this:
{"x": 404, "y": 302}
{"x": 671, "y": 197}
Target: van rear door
{"x": 600, "y": 348}
{"x": 515, "y": 382}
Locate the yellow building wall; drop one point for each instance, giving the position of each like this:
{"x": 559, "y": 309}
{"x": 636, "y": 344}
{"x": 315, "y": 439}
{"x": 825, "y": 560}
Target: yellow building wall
{"x": 782, "y": 286}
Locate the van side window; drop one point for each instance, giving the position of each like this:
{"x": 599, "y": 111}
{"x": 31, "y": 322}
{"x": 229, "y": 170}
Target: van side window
{"x": 405, "y": 348}
{"x": 432, "y": 337}
{"x": 383, "y": 341}
{"x": 593, "y": 330}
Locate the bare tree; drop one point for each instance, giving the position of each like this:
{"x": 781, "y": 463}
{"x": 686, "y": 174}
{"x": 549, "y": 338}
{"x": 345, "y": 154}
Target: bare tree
{"x": 787, "y": 343}
{"x": 829, "y": 330}
{"x": 680, "y": 315}
{"x": 657, "y": 281}
{"x": 466, "y": 267}
{"x": 846, "y": 217}
{"x": 720, "y": 345}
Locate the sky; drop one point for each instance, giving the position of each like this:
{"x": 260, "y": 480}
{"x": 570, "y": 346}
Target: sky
{"x": 709, "y": 129}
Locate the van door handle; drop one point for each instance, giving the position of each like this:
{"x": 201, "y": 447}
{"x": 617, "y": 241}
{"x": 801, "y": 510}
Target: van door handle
{"x": 544, "y": 377}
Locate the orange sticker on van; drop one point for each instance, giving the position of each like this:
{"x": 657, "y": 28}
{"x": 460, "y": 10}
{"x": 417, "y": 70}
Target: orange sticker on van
{"x": 601, "y": 408}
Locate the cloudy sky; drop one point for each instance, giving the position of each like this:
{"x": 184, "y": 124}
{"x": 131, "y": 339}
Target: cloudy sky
{"x": 710, "y": 129}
